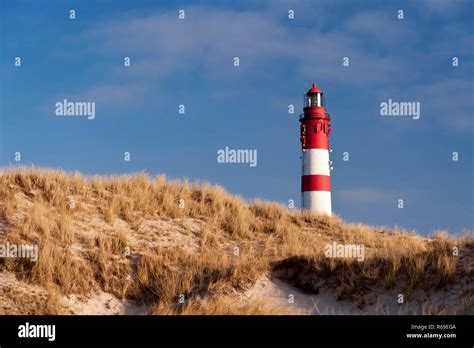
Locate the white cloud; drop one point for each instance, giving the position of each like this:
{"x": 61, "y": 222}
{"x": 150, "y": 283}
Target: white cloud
{"x": 384, "y": 27}
{"x": 208, "y": 38}
{"x": 204, "y": 44}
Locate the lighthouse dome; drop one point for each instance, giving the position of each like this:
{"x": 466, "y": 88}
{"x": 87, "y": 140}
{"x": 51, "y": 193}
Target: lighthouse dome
{"x": 313, "y": 90}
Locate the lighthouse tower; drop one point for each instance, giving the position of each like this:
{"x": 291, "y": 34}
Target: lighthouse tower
{"x": 315, "y": 129}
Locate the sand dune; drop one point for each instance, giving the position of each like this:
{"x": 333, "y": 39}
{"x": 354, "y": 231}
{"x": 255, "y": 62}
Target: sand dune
{"x": 140, "y": 245}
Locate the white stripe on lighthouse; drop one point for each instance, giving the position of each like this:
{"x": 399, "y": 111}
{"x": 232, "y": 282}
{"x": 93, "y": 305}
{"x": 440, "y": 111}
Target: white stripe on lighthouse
{"x": 317, "y": 201}
{"x": 316, "y": 162}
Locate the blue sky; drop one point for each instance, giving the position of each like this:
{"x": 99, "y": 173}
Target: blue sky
{"x": 190, "y": 62}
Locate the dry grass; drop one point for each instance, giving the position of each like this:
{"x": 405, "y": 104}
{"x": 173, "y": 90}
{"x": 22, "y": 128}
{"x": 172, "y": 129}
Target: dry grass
{"x": 88, "y": 232}
{"x": 227, "y": 305}
{"x": 434, "y": 268}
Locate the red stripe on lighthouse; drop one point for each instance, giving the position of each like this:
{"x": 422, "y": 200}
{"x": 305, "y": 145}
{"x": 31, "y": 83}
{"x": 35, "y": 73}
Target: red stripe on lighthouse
{"x": 317, "y": 141}
{"x": 315, "y": 183}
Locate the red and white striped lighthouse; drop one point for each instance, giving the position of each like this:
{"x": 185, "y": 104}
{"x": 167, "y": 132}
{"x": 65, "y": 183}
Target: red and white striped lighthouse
{"x": 315, "y": 129}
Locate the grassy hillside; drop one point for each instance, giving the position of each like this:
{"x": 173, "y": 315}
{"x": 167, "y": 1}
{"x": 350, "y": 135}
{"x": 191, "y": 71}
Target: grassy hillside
{"x": 186, "y": 248}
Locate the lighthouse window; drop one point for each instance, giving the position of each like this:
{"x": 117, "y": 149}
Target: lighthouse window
{"x": 316, "y": 99}
{"x": 311, "y": 100}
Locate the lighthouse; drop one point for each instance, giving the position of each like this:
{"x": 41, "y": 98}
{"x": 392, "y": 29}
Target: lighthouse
{"x": 315, "y": 129}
